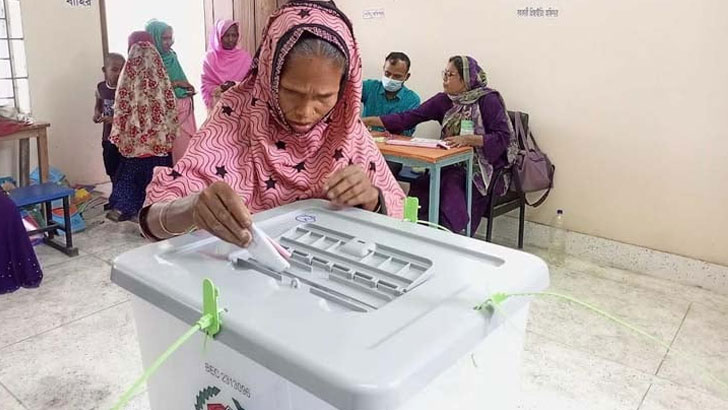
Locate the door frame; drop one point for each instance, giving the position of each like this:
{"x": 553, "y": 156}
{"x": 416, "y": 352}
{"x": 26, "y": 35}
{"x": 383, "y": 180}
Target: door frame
{"x": 104, "y": 28}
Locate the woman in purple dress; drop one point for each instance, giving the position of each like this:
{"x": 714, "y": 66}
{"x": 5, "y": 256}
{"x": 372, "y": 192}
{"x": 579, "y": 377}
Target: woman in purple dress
{"x": 18, "y": 265}
{"x": 470, "y": 114}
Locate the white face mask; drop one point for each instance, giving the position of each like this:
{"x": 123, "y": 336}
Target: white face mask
{"x": 392, "y": 85}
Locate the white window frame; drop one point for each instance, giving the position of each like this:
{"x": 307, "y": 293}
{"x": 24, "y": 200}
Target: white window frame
{"x": 10, "y": 21}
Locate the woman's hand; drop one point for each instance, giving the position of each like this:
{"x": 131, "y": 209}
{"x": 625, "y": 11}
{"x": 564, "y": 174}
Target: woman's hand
{"x": 372, "y": 122}
{"x": 464, "y": 141}
{"x": 351, "y": 187}
{"x": 184, "y": 84}
{"x": 216, "y": 95}
{"x": 220, "y": 211}
{"x": 100, "y": 118}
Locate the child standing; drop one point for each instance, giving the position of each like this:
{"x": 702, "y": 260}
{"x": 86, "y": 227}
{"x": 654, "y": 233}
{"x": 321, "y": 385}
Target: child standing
{"x": 104, "y": 110}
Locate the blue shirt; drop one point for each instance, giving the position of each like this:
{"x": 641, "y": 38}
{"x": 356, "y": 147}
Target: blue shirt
{"x": 377, "y": 104}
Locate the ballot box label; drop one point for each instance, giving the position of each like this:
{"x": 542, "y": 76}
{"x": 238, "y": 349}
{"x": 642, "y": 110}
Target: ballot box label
{"x": 245, "y": 386}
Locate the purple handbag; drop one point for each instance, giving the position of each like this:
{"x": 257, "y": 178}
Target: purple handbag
{"x": 532, "y": 169}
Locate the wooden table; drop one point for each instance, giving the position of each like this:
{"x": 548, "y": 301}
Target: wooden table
{"x": 39, "y": 131}
{"x": 433, "y": 159}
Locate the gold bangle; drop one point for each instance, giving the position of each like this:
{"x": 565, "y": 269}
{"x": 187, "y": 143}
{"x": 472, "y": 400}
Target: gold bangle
{"x": 378, "y": 208}
{"x": 162, "y": 215}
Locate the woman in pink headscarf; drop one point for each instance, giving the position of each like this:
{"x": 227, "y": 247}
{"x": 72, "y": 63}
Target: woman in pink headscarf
{"x": 290, "y": 131}
{"x": 225, "y": 62}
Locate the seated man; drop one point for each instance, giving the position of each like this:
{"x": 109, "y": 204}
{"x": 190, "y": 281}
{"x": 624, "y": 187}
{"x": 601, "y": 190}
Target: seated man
{"x": 389, "y": 95}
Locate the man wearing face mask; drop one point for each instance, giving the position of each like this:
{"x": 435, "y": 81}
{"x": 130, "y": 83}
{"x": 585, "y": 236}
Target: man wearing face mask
{"x": 389, "y": 95}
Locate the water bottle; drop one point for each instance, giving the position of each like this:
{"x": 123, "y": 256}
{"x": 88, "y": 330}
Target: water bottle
{"x": 557, "y": 242}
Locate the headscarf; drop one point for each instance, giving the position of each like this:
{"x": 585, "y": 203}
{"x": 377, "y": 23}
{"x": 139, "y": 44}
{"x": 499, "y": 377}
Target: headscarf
{"x": 145, "y": 111}
{"x": 174, "y": 69}
{"x": 248, "y": 143}
{"x": 222, "y": 65}
{"x": 466, "y": 107}
{"x": 138, "y": 37}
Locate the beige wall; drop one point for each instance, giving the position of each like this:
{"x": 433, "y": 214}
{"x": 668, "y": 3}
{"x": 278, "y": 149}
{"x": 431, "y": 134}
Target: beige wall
{"x": 125, "y": 16}
{"x": 63, "y": 46}
{"x": 628, "y": 98}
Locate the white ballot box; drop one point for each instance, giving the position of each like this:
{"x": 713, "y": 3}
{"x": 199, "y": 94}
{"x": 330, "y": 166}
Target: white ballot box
{"x": 373, "y": 314}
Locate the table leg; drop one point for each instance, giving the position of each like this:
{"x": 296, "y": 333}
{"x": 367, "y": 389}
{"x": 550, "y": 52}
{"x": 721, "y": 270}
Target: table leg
{"x": 24, "y": 162}
{"x": 42, "y": 142}
{"x": 68, "y": 249}
{"x": 435, "y": 194}
{"x": 48, "y": 207}
{"x": 469, "y": 190}
{"x": 67, "y": 222}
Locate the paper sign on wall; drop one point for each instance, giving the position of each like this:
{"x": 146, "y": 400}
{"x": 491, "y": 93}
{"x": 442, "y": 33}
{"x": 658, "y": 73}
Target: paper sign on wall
{"x": 373, "y": 14}
{"x": 543, "y": 12}
{"x": 79, "y": 3}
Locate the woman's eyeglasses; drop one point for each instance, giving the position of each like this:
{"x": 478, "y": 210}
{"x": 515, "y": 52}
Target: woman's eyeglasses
{"x": 446, "y": 75}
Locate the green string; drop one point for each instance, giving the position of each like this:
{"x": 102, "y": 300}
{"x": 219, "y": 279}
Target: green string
{"x": 157, "y": 363}
{"x": 494, "y": 302}
{"x": 434, "y": 225}
{"x": 497, "y": 299}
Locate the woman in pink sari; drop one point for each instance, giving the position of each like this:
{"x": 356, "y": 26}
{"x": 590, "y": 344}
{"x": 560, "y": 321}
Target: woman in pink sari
{"x": 291, "y": 130}
{"x": 224, "y": 63}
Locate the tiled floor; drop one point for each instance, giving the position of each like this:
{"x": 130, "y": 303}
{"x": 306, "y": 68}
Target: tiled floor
{"x": 72, "y": 344}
